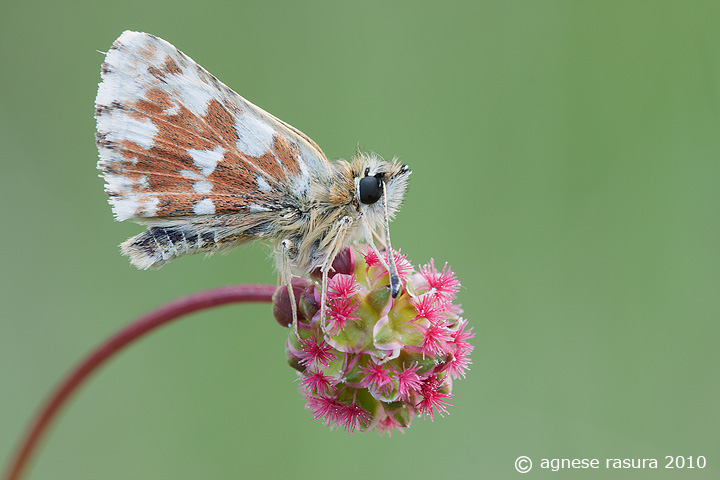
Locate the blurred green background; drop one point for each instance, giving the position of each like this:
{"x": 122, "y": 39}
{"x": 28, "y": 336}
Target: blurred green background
{"x": 566, "y": 161}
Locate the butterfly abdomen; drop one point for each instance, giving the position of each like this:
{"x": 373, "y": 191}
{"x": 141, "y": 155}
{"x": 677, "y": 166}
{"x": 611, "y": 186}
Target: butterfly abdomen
{"x": 156, "y": 246}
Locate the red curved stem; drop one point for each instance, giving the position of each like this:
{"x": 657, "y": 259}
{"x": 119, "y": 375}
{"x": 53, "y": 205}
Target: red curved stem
{"x": 140, "y": 327}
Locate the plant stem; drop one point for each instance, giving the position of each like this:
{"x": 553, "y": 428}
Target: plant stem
{"x": 140, "y": 327}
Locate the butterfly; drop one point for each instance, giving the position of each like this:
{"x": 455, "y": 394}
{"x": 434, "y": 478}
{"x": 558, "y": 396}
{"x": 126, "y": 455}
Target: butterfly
{"x": 205, "y": 170}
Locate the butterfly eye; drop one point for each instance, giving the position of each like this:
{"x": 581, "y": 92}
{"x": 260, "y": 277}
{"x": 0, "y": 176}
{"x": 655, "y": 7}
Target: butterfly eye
{"x": 370, "y": 190}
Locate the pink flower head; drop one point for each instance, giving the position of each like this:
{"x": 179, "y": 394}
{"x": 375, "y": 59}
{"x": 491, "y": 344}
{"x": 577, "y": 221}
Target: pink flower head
{"x": 316, "y": 353}
{"x": 377, "y": 378}
{"x": 340, "y": 310}
{"x": 335, "y": 412}
{"x": 316, "y": 383}
{"x": 408, "y": 382}
{"x": 435, "y": 340}
{"x": 322, "y": 406}
{"x": 404, "y": 267}
{"x": 440, "y": 283}
{"x": 376, "y": 361}
{"x": 430, "y": 307}
{"x": 387, "y": 424}
{"x": 433, "y": 400}
{"x": 342, "y": 286}
{"x": 460, "y": 364}
{"x": 371, "y": 258}
{"x": 461, "y": 337}
{"x": 352, "y": 416}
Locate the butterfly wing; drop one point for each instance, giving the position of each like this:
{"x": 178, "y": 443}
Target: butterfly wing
{"x": 181, "y": 152}
{"x": 174, "y": 141}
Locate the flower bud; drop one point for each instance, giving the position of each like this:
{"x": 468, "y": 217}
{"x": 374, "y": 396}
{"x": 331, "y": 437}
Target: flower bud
{"x": 376, "y": 361}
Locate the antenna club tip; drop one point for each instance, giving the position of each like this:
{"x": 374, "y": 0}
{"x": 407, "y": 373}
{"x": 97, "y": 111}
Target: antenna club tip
{"x": 395, "y": 287}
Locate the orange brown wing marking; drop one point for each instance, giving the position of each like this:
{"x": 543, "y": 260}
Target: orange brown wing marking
{"x": 156, "y": 72}
{"x": 144, "y": 163}
{"x": 219, "y": 118}
{"x": 234, "y": 175}
{"x": 170, "y": 66}
{"x": 269, "y": 165}
{"x": 176, "y": 205}
{"x": 287, "y": 154}
{"x": 183, "y": 129}
{"x": 147, "y": 51}
{"x": 162, "y": 170}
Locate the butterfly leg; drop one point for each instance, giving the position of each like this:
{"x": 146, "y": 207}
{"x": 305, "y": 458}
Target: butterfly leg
{"x": 369, "y": 235}
{"x": 385, "y": 243}
{"x": 380, "y": 239}
{"x": 337, "y": 244}
{"x": 286, "y": 246}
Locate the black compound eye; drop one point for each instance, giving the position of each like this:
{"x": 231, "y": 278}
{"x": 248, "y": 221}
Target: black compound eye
{"x": 370, "y": 190}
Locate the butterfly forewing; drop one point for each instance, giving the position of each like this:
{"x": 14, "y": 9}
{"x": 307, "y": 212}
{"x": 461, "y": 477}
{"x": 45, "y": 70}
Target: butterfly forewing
{"x": 175, "y": 141}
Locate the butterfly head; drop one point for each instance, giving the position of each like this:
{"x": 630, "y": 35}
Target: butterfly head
{"x": 379, "y": 187}
{"x": 379, "y": 191}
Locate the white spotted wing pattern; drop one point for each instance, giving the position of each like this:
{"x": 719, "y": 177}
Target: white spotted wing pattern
{"x": 206, "y": 170}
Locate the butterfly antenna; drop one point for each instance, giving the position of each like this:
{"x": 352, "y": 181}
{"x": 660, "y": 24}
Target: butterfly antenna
{"x": 395, "y": 284}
